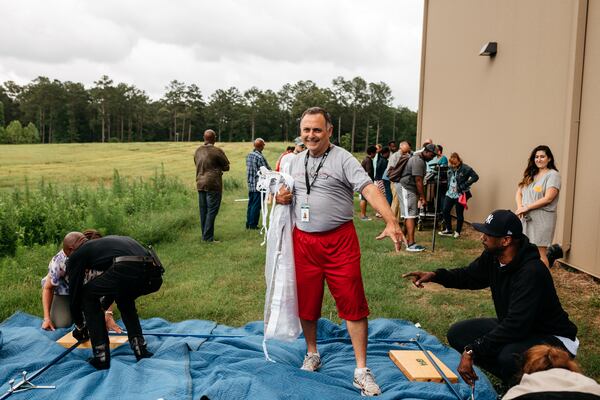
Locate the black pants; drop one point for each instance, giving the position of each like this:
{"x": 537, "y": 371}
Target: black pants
{"x": 209, "y": 204}
{"x": 507, "y": 364}
{"x": 123, "y": 283}
{"x": 448, "y": 204}
{"x": 253, "y": 213}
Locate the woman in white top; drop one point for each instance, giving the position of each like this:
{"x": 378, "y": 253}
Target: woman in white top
{"x": 537, "y": 198}
{"x": 550, "y": 373}
{"x": 55, "y": 292}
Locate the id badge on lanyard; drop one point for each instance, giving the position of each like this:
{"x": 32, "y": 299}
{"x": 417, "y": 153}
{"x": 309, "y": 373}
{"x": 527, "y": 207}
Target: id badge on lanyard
{"x": 305, "y": 212}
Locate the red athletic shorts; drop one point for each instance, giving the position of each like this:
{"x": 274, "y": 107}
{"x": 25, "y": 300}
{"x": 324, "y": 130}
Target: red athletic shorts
{"x": 333, "y": 256}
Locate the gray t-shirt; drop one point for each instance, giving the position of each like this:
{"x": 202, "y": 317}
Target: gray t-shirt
{"x": 537, "y": 190}
{"x": 331, "y": 199}
{"x": 416, "y": 166}
{"x": 539, "y": 224}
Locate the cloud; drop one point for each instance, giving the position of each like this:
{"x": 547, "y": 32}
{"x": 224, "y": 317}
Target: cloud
{"x": 60, "y": 32}
{"x": 263, "y": 43}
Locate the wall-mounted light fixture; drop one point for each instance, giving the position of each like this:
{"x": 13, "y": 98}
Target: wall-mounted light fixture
{"x": 489, "y": 49}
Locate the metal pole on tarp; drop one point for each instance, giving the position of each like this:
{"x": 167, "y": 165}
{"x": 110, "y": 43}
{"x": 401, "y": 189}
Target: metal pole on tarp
{"x": 15, "y": 388}
{"x": 194, "y": 335}
{"x": 438, "y": 369}
{"x": 431, "y": 360}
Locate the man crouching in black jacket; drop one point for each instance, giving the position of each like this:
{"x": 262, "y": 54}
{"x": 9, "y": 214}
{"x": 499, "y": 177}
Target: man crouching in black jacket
{"x": 527, "y": 306}
{"x": 130, "y": 271}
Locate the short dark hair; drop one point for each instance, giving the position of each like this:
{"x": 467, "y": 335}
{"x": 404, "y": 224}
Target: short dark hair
{"x": 290, "y": 148}
{"x": 385, "y": 150}
{"x": 371, "y": 149}
{"x": 318, "y": 110}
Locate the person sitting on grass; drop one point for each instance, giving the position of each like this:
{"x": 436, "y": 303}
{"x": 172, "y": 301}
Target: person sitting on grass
{"x": 528, "y": 311}
{"x": 550, "y": 373}
{"x": 55, "y": 292}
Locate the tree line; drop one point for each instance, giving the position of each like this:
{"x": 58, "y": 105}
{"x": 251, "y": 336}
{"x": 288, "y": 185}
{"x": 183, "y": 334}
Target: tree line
{"x": 51, "y": 111}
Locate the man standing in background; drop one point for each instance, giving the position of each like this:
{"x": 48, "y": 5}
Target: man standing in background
{"x": 411, "y": 192}
{"x": 254, "y": 161}
{"x": 210, "y": 163}
{"x": 369, "y": 168}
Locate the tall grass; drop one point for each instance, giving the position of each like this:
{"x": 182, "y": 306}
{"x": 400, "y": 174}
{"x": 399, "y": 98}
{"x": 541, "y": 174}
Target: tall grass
{"x": 126, "y": 206}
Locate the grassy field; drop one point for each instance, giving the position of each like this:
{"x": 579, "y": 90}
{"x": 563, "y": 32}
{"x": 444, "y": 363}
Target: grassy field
{"x": 224, "y": 281}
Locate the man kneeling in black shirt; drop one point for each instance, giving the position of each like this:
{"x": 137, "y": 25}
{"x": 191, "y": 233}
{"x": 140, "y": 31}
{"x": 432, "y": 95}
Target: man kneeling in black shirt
{"x": 130, "y": 271}
{"x": 527, "y": 307}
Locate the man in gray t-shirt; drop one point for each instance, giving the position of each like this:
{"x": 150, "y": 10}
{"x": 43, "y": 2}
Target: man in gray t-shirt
{"x": 411, "y": 192}
{"x": 326, "y": 246}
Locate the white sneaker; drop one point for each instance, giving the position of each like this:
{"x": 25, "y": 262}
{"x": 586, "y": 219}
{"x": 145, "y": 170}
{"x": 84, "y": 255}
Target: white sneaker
{"x": 415, "y": 248}
{"x": 365, "y": 381}
{"x": 456, "y": 235}
{"x": 312, "y": 362}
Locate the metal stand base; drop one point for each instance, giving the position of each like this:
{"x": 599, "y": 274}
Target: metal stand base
{"x": 25, "y": 384}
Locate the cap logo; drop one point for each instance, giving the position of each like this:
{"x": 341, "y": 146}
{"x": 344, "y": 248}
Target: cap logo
{"x": 509, "y": 232}
{"x": 489, "y": 219}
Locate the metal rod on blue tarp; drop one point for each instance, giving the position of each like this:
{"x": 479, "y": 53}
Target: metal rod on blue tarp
{"x": 431, "y": 360}
{"x": 40, "y": 371}
{"x": 194, "y": 335}
{"x": 439, "y": 370}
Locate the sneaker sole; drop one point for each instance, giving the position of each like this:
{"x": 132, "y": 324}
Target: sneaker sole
{"x": 311, "y": 370}
{"x": 362, "y": 392}
{"x": 415, "y": 250}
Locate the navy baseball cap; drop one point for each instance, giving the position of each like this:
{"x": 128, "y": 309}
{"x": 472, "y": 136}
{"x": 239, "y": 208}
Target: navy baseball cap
{"x": 501, "y": 223}
{"x": 430, "y": 147}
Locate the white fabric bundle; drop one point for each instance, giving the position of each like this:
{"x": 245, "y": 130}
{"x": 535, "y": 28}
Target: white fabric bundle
{"x": 281, "y": 300}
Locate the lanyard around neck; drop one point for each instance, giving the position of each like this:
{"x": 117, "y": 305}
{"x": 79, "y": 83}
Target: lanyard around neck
{"x": 306, "y": 177}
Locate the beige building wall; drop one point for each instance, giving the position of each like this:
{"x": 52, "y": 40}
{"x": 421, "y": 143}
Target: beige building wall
{"x": 494, "y": 111}
{"x": 585, "y": 248}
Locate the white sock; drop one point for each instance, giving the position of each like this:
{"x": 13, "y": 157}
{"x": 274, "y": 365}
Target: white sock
{"x": 358, "y": 371}
{"x": 313, "y": 354}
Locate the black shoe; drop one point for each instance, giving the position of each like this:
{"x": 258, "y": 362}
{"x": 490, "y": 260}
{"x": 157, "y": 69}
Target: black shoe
{"x": 138, "y": 345}
{"x": 101, "y": 359}
{"x": 554, "y": 252}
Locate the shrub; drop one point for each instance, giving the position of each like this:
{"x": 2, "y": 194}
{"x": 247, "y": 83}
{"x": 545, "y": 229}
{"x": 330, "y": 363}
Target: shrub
{"x": 129, "y": 207}
{"x": 9, "y": 235}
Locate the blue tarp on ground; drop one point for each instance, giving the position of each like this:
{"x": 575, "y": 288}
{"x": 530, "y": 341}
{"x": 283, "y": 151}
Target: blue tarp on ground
{"x": 220, "y": 368}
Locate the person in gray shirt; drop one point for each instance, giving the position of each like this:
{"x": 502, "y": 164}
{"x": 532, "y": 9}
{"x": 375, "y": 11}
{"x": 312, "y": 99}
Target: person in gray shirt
{"x": 326, "y": 246}
{"x": 411, "y": 192}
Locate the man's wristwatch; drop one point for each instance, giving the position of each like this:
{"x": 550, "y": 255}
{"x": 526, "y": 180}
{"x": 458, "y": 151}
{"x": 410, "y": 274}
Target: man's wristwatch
{"x": 469, "y": 350}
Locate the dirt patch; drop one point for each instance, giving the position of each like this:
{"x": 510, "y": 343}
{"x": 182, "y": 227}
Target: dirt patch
{"x": 579, "y": 293}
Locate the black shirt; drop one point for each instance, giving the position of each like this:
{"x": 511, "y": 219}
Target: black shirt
{"x": 98, "y": 255}
{"x": 524, "y": 297}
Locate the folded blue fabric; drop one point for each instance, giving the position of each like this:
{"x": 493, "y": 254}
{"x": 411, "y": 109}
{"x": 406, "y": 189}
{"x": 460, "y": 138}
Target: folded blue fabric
{"x": 221, "y": 368}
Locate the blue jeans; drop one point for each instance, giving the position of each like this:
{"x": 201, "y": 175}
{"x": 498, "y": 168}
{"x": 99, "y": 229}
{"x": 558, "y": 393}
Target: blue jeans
{"x": 448, "y": 204}
{"x": 209, "y": 203}
{"x": 253, "y": 210}
{"x": 388, "y": 191}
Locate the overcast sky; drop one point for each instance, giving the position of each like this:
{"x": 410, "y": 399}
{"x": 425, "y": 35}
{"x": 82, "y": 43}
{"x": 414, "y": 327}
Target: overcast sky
{"x": 217, "y": 44}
